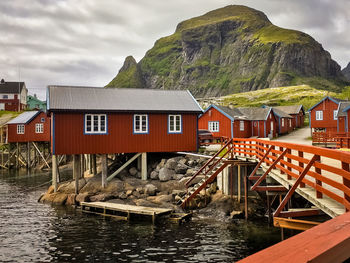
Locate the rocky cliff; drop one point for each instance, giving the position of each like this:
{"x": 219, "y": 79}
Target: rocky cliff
{"x": 231, "y": 50}
{"x": 346, "y": 72}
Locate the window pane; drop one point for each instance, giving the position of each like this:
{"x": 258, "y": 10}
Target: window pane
{"x": 95, "y": 129}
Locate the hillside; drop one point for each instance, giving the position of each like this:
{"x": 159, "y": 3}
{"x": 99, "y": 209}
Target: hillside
{"x": 305, "y": 95}
{"x": 346, "y": 72}
{"x": 230, "y": 50}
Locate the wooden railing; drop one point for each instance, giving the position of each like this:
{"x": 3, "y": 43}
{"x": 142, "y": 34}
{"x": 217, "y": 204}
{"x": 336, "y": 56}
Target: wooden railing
{"x": 325, "y": 170}
{"x": 331, "y": 139}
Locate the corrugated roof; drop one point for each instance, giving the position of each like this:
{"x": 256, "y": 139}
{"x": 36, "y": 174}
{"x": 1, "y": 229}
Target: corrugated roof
{"x": 11, "y": 87}
{"x": 281, "y": 113}
{"x": 103, "y": 99}
{"x": 233, "y": 112}
{"x": 342, "y": 106}
{"x": 255, "y": 113}
{"x": 291, "y": 109}
{"x": 24, "y": 118}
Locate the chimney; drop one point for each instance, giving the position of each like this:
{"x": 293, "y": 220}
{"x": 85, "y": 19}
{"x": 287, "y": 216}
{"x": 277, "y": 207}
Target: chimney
{"x": 2, "y": 81}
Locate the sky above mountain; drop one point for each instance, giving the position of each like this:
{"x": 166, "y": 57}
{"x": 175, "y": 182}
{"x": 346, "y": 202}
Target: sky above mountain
{"x": 84, "y": 42}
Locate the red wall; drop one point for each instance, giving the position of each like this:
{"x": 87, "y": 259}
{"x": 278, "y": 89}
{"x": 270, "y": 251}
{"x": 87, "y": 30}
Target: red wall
{"x": 214, "y": 115}
{"x": 270, "y": 118}
{"x": 327, "y": 106}
{"x": 298, "y": 119}
{"x": 13, "y": 106}
{"x": 237, "y": 133}
{"x": 341, "y": 124}
{"x": 29, "y": 131}
{"x": 286, "y": 128}
{"x": 68, "y": 135}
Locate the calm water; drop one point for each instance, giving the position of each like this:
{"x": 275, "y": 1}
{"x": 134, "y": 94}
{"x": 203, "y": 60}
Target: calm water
{"x": 35, "y": 232}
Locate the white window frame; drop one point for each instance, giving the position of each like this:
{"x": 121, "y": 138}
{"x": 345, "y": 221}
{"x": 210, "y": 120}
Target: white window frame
{"x": 172, "y": 123}
{"x": 39, "y": 128}
{"x": 335, "y": 113}
{"x": 319, "y": 115}
{"x": 138, "y": 127}
{"x": 282, "y": 122}
{"x": 20, "y": 129}
{"x": 241, "y": 125}
{"x": 91, "y": 118}
{"x": 213, "y": 126}
{"x": 290, "y": 123}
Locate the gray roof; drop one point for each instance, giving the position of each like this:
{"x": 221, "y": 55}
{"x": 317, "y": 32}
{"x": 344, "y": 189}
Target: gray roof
{"x": 281, "y": 113}
{"x": 342, "y": 106}
{"x": 68, "y": 98}
{"x": 24, "y": 118}
{"x": 255, "y": 113}
{"x": 11, "y": 87}
{"x": 233, "y": 112}
{"x": 291, "y": 109}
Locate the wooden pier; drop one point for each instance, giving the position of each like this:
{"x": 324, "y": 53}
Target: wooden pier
{"x": 124, "y": 212}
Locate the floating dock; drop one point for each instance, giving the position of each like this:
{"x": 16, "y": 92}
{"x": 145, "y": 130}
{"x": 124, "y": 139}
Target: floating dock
{"x": 127, "y": 212}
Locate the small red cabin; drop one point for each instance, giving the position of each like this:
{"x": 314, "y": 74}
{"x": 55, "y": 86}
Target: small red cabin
{"x": 225, "y": 122}
{"x": 284, "y": 121}
{"x": 30, "y": 126}
{"x": 323, "y": 115}
{"x": 343, "y": 116}
{"x": 297, "y": 113}
{"x": 89, "y": 120}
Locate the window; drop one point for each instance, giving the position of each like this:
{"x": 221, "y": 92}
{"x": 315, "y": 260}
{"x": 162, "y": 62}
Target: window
{"x": 319, "y": 115}
{"x": 335, "y": 113}
{"x": 282, "y": 122}
{"x": 42, "y": 120}
{"x": 140, "y": 123}
{"x": 95, "y": 123}
{"x": 241, "y": 125}
{"x": 5, "y": 96}
{"x": 39, "y": 128}
{"x": 174, "y": 124}
{"x": 20, "y": 129}
{"x": 213, "y": 126}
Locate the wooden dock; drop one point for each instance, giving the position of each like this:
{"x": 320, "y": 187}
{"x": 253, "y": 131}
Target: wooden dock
{"x": 124, "y": 212}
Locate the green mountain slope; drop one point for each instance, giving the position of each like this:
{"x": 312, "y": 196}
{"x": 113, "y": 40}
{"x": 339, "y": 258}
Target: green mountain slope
{"x": 230, "y": 50}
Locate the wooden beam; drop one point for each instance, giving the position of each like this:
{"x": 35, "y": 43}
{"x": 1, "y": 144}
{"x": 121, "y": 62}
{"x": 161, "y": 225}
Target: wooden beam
{"x": 41, "y": 155}
{"x": 144, "y": 166}
{"x": 294, "y": 223}
{"x": 104, "y": 169}
{"x": 123, "y": 167}
{"x": 300, "y": 212}
{"x": 94, "y": 165}
{"x": 54, "y": 172}
{"x": 76, "y": 172}
{"x": 272, "y": 188}
{"x": 28, "y": 155}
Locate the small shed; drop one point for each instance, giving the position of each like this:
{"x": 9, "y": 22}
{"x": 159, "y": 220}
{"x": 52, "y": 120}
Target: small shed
{"x": 225, "y": 122}
{"x": 29, "y": 126}
{"x": 284, "y": 121}
{"x": 296, "y": 111}
{"x": 344, "y": 117}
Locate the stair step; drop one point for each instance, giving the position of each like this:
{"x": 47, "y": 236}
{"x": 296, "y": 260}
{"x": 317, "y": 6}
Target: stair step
{"x": 272, "y": 188}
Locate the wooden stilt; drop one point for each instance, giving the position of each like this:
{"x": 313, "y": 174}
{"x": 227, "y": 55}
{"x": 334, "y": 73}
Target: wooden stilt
{"x": 76, "y": 171}
{"x": 239, "y": 183}
{"x": 54, "y": 172}
{"x": 245, "y": 196}
{"x": 28, "y": 155}
{"x": 90, "y": 164}
{"x": 17, "y": 155}
{"x": 82, "y": 164}
{"x": 144, "y": 166}
{"x": 104, "y": 170}
{"x": 94, "y": 165}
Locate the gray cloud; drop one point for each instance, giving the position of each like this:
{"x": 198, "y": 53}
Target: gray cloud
{"x": 84, "y": 42}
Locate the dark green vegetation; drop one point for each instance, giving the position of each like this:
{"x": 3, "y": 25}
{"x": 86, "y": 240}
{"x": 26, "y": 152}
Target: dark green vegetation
{"x": 230, "y": 50}
{"x": 346, "y": 72}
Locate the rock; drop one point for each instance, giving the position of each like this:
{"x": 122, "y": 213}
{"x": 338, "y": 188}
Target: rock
{"x": 129, "y": 192}
{"x": 60, "y": 199}
{"x": 181, "y": 168}
{"x": 237, "y": 215}
{"x": 154, "y": 175}
{"x": 213, "y": 188}
{"x": 136, "y": 194}
{"x": 71, "y": 199}
{"x": 50, "y": 190}
{"x": 171, "y": 164}
{"x": 100, "y": 197}
{"x": 133, "y": 171}
{"x": 140, "y": 190}
{"x": 178, "y": 192}
{"x": 143, "y": 202}
{"x": 165, "y": 174}
{"x": 192, "y": 163}
{"x": 160, "y": 199}
{"x": 128, "y": 186}
{"x": 123, "y": 196}
{"x": 151, "y": 189}
{"x": 178, "y": 176}
{"x": 182, "y": 160}
{"x": 161, "y": 164}
{"x": 177, "y": 198}
{"x": 82, "y": 198}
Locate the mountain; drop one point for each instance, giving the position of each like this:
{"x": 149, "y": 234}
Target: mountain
{"x": 230, "y": 50}
{"x": 346, "y": 72}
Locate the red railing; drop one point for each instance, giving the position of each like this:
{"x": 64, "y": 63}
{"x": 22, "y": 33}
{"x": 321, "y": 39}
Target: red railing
{"x": 331, "y": 139}
{"x": 325, "y": 170}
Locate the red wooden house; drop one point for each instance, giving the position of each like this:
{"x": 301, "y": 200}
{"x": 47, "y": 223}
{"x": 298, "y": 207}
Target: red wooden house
{"x": 343, "y": 117}
{"x": 284, "y": 121}
{"x": 30, "y": 126}
{"x": 88, "y": 120}
{"x": 323, "y": 115}
{"x": 225, "y": 122}
{"x": 13, "y": 95}
{"x": 297, "y": 112}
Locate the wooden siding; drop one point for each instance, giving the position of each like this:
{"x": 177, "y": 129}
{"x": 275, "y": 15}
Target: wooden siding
{"x": 29, "y": 131}
{"x": 69, "y": 138}
{"x": 12, "y": 104}
{"x": 328, "y": 122}
{"x": 341, "y": 124}
{"x": 298, "y": 120}
{"x": 237, "y": 133}
{"x": 214, "y": 115}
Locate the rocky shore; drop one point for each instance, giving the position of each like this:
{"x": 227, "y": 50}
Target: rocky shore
{"x": 164, "y": 188}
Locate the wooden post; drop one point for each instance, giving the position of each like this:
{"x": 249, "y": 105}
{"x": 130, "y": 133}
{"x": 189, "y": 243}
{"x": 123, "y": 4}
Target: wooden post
{"x": 17, "y": 155}
{"x": 82, "y": 162}
{"x": 94, "y": 165}
{"x": 245, "y": 197}
{"x": 28, "y": 155}
{"x": 90, "y": 164}
{"x": 318, "y": 170}
{"x": 239, "y": 183}
{"x": 301, "y": 164}
{"x": 289, "y": 160}
{"x": 104, "y": 170}
{"x": 144, "y": 166}
{"x": 76, "y": 171}
{"x": 346, "y": 167}
{"x": 54, "y": 172}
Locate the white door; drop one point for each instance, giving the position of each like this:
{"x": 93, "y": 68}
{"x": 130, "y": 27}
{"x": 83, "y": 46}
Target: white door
{"x": 2, "y": 106}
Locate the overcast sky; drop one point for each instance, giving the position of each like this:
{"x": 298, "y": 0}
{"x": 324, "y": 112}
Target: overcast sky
{"x": 84, "y": 42}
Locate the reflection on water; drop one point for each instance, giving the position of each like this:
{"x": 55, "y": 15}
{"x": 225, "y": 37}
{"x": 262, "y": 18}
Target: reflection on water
{"x": 34, "y": 232}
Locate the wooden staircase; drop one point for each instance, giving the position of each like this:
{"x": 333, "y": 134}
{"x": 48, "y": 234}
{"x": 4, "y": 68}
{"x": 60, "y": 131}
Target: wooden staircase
{"x": 209, "y": 171}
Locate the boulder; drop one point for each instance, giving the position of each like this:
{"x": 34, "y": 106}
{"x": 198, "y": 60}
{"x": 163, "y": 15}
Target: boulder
{"x": 154, "y": 175}
{"x": 183, "y": 160}
{"x": 71, "y": 199}
{"x": 60, "y": 199}
{"x": 129, "y": 192}
{"x": 100, "y": 197}
{"x": 171, "y": 164}
{"x": 128, "y": 186}
{"x": 190, "y": 172}
{"x": 161, "y": 199}
{"x": 82, "y": 198}
{"x": 143, "y": 202}
{"x": 140, "y": 190}
{"x": 192, "y": 163}
{"x": 123, "y": 195}
{"x": 178, "y": 176}
{"x": 181, "y": 168}
{"x": 50, "y": 190}
{"x": 151, "y": 189}
{"x": 47, "y": 198}
{"x": 136, "y": 194}
{"x": 133, "y": 171}
{"x": 161, "y": 164}
{"x": 166, "y": 174}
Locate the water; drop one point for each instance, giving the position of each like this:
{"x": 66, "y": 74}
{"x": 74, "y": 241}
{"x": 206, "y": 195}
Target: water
{"x": 35, "y": 232}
